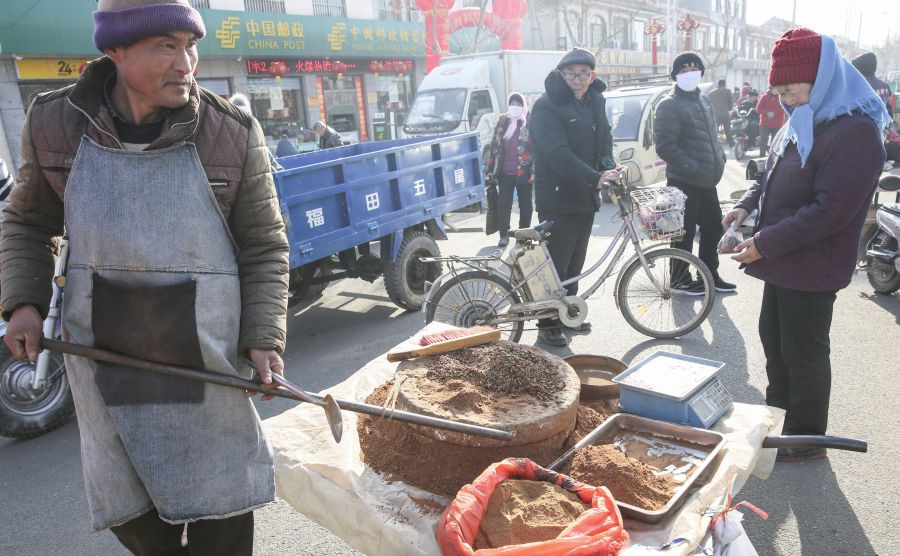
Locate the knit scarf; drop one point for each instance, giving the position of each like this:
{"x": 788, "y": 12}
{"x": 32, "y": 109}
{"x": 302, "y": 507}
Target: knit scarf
{"x": 839, "y": 90}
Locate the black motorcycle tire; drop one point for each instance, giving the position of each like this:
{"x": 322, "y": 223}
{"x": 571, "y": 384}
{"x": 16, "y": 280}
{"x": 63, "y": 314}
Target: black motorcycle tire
{"x": 883, "y": 276}
{"x": 50, "y": 411}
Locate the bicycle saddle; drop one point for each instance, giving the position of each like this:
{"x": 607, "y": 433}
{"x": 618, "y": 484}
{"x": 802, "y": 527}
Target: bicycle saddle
{"x": 537, "y": 233}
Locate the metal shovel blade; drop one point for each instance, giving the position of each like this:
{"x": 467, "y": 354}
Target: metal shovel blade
{"x": 332, "y": 410}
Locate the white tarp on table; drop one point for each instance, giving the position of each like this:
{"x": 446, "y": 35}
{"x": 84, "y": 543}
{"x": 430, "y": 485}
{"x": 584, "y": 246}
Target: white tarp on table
{"x": 329, "y": 484}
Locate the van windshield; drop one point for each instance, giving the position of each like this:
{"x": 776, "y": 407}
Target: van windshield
{"x": 624, "y": 115}
{"x": 436, "y": 111}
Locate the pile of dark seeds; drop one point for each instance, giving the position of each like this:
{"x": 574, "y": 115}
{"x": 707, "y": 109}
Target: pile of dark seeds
{"x": 503, "y": 368}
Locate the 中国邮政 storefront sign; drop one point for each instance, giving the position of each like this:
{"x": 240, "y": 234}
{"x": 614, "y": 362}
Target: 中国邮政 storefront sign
{"x": 54, "y": 27}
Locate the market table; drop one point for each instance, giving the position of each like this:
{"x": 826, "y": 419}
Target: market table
{"x": 329, "y": 483}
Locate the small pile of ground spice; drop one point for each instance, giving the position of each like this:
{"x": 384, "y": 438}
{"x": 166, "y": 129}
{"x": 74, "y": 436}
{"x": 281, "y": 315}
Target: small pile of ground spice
{"x": 500, "y": 367}
{"x": 629, "y": 480}
{"x": 588, "y": 419}
{"x": 520, "y": 512}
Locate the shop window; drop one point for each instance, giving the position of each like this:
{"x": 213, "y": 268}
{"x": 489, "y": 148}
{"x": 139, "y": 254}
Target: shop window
{"x": 479, "y": 105}
{"x": 220, "y": 87}
{"x": 598, "y": 31}
{"x": 277, "y": 104}
{"x": 200, "y": 4}
{"x": 265, "y": 6}
{"x": 342, "y": 106}
{"x": 330, "y": 8}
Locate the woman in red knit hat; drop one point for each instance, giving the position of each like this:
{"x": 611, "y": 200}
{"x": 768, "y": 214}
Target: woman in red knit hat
{"x": 819, "y": 179}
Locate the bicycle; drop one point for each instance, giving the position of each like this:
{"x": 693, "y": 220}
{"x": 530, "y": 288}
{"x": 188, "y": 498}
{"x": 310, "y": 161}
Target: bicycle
{"x": 505, "y": 293}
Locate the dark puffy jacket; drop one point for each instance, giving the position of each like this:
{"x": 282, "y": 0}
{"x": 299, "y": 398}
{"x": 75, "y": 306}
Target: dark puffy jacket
{"x": 572, "y": 145}
{"x": 811, "y": 217}
{"x": 687, "y": 138}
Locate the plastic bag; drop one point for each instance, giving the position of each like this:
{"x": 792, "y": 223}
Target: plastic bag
{"x": 598, "y": 531}
{"x": 729, "y": 537}
{"x": 730, "y": 240}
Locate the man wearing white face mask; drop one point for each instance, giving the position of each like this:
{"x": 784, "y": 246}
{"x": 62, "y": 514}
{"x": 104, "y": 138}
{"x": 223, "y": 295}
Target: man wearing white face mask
{"x": 687, "y": 140}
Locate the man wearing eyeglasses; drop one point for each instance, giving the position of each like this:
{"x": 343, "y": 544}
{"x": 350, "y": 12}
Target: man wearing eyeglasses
{"x": 573, "y": 157}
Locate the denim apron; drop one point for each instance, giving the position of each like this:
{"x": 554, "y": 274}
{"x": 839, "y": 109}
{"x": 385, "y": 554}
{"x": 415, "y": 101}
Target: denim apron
{"x": 153, "y": 274}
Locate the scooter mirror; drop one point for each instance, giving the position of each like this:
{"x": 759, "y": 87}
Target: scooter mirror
{"x": 756, "y": 167}
{"x": 889, "y": 183}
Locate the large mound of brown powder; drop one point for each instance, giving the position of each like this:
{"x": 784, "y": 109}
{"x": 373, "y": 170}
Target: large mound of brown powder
{"x": 629, "y": 480}
{"x": 402, "y": 454}
{"x": 500, "y": 367}
{"x": 520, "y": 512}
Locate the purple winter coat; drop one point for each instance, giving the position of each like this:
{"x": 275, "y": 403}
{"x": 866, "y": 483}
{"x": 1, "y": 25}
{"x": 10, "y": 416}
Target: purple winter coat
{"x": 811, "y": 218}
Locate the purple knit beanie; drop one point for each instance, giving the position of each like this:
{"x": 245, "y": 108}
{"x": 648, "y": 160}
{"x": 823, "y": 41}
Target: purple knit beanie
{"x": 124, "y": 22}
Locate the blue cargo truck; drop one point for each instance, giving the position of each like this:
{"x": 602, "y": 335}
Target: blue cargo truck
{"x": 373, "y": 209}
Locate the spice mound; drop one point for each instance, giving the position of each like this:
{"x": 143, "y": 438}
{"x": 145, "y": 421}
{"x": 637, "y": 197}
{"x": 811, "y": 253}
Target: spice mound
{"x": 520, "y": 512}
{"x": 502, "y": 368}
{"x": 629, "y": 480}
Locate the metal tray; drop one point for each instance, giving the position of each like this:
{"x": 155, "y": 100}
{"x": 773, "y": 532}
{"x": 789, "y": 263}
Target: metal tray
{"x": 624, "y": 424}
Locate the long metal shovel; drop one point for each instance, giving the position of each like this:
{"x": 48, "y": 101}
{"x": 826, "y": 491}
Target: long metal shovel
{"x": 255, "y": 386}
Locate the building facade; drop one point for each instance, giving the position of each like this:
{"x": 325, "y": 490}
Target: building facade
{"x": 351, "y": 63}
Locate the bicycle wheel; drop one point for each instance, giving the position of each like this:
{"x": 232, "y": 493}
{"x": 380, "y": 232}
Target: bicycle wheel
{"x": 473, "y": 299}
{"x": 665, "y": 313}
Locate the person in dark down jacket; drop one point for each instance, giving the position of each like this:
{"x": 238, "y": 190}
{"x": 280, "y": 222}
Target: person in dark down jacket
{"x": 177, "y": 254}
{"x": 818, "y": 184}
{"x": 328, "y": 137}
{"x": 509, "y": 165}
{"x": 572, "y": 158}
{"x": 867, "y": 64}
{"x": 686, "y": 138}
{"x": 723, "y": 103}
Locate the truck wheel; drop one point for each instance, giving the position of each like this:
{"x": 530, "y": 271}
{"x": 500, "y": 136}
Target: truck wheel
{"x": 404, "y": 278}
{"x": 25, "y": 413}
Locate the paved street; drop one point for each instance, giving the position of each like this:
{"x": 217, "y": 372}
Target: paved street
{"x": 841, "y": 505}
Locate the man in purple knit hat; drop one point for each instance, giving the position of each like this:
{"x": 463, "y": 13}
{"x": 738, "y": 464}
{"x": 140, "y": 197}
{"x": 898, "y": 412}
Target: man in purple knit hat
{"x": 177, "y": 254}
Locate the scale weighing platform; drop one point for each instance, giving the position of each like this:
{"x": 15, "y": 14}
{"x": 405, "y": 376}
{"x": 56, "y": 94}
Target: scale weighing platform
{"x": 675, "y": 388}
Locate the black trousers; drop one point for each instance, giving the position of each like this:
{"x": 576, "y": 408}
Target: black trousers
{"x": 794, "y": 328}
{"x": 508, "y": 185}
{"x": 726, "y": 125}
{"x": 766, "y": 134}
{"x": 568, "y": 245}
{"x": 702, "y": 210}
{"x": 148, "y": 535}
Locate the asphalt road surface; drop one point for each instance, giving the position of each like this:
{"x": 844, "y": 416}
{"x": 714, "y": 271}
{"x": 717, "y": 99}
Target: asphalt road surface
{"x": 841, "y": 505}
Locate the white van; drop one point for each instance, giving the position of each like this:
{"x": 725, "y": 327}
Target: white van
{"x": 630, "y": 111}
{"x": 468, "y": 93}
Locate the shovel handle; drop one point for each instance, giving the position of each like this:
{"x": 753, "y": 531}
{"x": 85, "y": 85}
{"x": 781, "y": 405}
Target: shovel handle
{"x": 816, "y": 441}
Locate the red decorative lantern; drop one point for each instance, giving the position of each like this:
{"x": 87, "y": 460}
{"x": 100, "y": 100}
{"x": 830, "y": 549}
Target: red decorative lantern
{"x": 277, "y": 69}
{"x": 340, "y": 68}
{"x": 654, "y": 29}
{"x": 375, "y": 67}
{"x": 437, "y": 31}
{"x": 687, "y": 25}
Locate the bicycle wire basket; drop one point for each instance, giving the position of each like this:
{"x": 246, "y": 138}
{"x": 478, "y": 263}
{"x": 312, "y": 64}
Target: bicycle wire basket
{"x": 661, "y": 211}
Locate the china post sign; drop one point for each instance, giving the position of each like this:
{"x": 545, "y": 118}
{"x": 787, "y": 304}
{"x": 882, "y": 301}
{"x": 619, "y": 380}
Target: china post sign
{"x": 56, "y": 27}
{"x": 278, "y": 34}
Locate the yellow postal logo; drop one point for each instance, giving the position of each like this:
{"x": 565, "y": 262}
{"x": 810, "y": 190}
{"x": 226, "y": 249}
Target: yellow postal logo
{"x": 337, "y": 36}
{"x": 227, "y": 34}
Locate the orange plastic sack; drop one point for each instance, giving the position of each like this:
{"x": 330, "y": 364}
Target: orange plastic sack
{"x": 597, "y": 532}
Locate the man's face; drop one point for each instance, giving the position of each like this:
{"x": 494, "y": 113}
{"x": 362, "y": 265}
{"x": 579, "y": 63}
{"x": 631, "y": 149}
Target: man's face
{"x": 159, "y": 69}
{"x": 578, "y": 77}
{"x": 794, "y": 94}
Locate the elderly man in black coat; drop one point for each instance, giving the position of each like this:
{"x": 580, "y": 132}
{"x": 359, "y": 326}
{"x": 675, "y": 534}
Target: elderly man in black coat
{"x": 687, "y": 140}
{"x": 573, "y": 157}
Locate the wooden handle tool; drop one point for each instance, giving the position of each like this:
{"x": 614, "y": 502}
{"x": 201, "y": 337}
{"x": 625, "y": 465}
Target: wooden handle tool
{"x": 476, "y": 339}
